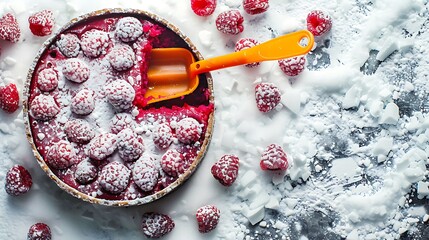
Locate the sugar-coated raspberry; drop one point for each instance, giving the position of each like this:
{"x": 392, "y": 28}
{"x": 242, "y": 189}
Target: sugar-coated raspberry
{"x": 79, "y": 131}
{"x": 44, "y": 108}
{"x": 128, "y": 29}
{"x": 145, "y": 173}
{"x": 274, "y": 158}
{"x": 114, "y": 177}
{"x": 156, "y": 225}
{"x": 318, "y": 23}
{"x": 253, "y": 7}
{"x": 18, "y": 181}
{"x": 85, "y": 172}
{"x": 292, "y": 66}
{"x": 122, "y": 57}
{"x": 267, "y": 96}
{"x": 42, "y": 23}
{"x": 245, "y": 43}
{"x": 83, "y": 102}
{"x": 173, "y": 163}
{"x": 188, "y": 130}
{"x": 121, "y": 121}
{"x": 9, "y": 98}
{"x": 226, "y": 169}
{"x": 39, "y": 231}
{"x": 75, "y": 70}
{"x": 120, "y": 94}
{"x": 230, "y": 22}
{"x": 47, "y": 80}
{"x": 9, "y": 28}
{"x": 130, "y": 146}
{"x": 102, "y": 146}
{"x": 163, "y": 136}
{"x": 207, "y": 218}
{"x": 61, "y": 155}
{"x": 69, "y": 45}
{"x": 203, "y": 7}
{"x": 94, "y": 43}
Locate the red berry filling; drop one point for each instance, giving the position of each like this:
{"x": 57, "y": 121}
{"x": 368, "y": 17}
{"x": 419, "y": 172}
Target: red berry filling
{"x": 18, "y": 181}
{"x": 188, "y": 130}
{"x": 114, "y": 177}
{"x": 9, "y": 28}
{"x": 203, "y": 7}
{"x": 44, "y": 108}
{"x": 94, "y": 43}
{"x": 79, "y": 131}
{"x": 41, "y": 23}
{"x": 156, "y": 225}
{"x": 128, "y": 29}
{"x": 173, "y": 163}
{"x": 75, "y": 70}
{"x": 230, "y": 22}
{"x": 69, "y": 45}
{"x": 318, "y": 23}
{"x": 130, "y": 146}
{"x": 9, "y": 98}
{"x": 83, "y": 102}
{"x": 274, "y": 158}
{"x": 255, "y": 6}
{"x": 226, "y": 169}
{"x": 102, "y": 146}
{"x": 39, "y": 231}
{"x": 145, "y": 173}
{"x": 207, "y": 218}
{"x": 61, "y": 155}
{"x": 292, "y": 66}
{"x": 245, "y": 43}
{"x": 267, "y": 96}
{"x": 120, "y": 94}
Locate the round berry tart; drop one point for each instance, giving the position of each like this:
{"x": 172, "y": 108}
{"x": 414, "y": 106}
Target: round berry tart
{"x": 89, "y": 121}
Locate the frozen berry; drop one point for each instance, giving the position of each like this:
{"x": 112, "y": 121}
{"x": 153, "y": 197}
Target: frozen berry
{"x": 267, "y": 96}
{"x": 69, "y": 45}
{"x": 9, "y": 98}
{"x": 18, "y": 181}
{"x": 207, "y": 218}
{"x": 274, "y": 158}
{"x": 79, "y": 131}
{"x": 188, "y": 130}
{"x": 44, "y": 108}
{"x": 120, "y": 94}
{"x": 130, "y": 146}
{"x": 75, "y": 70}
{"x": 41, "y": 23}
{"x": 230, "y": 22}
{"x": 128, "y": 29}
{"x": 61, "y": 155}
{"x": 94, "y": 43}
{"x": 83, "y": 102}
{"x": 122, "y": 57}
{"x": 172, "y": 163}
{"x": 114, "y": 177}
{"x": 203, "y": 7}
{"x": 226, "y": 169}
{"x": 102, "y": 146}
{"x": 9, "y": 28}
{"x": 163, "y": 136}
{"x": 121, "y": 121}
{"x": 47, "y": 80}
{"x": 39, "y": 231}
{"x": 156, "y": 225}
{"x": 245, "y": 43}
{"x": 85, "y": 172}
{"x": 145, "y": 173}
{"x": 318, "y": 22}
{"x": 292, "y": 66}
{"x": 255, "y": 6}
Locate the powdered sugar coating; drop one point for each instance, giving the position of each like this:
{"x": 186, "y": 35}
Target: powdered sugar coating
{"x": 43, "y": 107}
{"x": 130, "y": 146}
{"x": 188, "y": 130}
{"x": 172, "y": 163}
{"x": 79, "y": 131}
{"x": 83, "y": 102}
{"x": 102, "y": 146}
{"x": 128, "y": 29}
{"x": 274, "y": 158}
{"x": 114, "y": 177}
{"x": 18, "y": 181}
{"x": 292, "y": 66}
{"x": 120, "y": 94}
{"x": 94, "y": 43}
{"x": 61, "y": 155}
{"x": 145, "y": 173}
{"x": 69, "y": 45}
{"x": 122, "y": 57}
{"x": 162, "y": 135}
{"x": 47, "y": 80}
{"x": 244, "y": 43}
{"x": 230, "y": 22}
{"x": 121, "y": 121}
{"x": 85, "y": 172}
{"x": 75, "y": 70}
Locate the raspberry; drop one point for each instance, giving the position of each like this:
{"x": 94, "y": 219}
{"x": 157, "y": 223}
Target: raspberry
{"x": 121, "y": 121}
{"x": 188, "y": 130}
{"x": 41, "y": 23}
{"x": 85, "y": 172}
{"x": 83, "y": 102}
{"x": 44, "y": 108}
{"x": 226, "y": 169}
{"x": 145, "y": 173}
{"x": 318, "y": 23}
{"x": 253, "y": 7}
{"x": 94, "y": 43}
{"x": 102, "y": 146}
{"x": 156, "y": 225}
{"x": 207, "y": 218}
{"x": 9, "y": 98}
{"x": 114, "y": 177}
{"x": 245, "y": 43}
{"x": 162, "y": 136}
{"x": 130, "y": 146}
{"x": 128, "y": 29}
{"x": 39, "y": 231}
{"x": 120, "y": 94}
{"x": 9, "y": 28}
{"x": 18, "y": 181}
{"x": 230, "y": 22}
{"x": 69, "y": 45}
{"x": 172, "y": 163}
{"x": 47, "y": 80}
{"x": 292, "y": 66}
{"x": 79, "y": 131}
{"x": 203, "y": 7}
{"x": 61, "y": 155}
{"x": 267, "y": 96}
{"x": 274, "y": 158}
{"x": 75, "y": 70}
{"x": 122, "y": 57}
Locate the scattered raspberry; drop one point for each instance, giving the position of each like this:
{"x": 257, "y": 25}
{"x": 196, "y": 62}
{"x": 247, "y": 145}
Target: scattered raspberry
{"x": 172, "y": 163}
{"x": 85, "y": 172}
{"x": 44, "y": 108}
{"x": 83, "y": 102}
{"x": 122, "y": 57}
{"x": 9, "y": 98}
{"x": 253, "y": 7}
{"x": 162, "y": 135}
{"x": 69, "y": 45}
{"x": 145, "y": 173}
{"x": 245, "y": 43}
{"x": 120, "y": 94}
{"x": 9, "y": 28}
{"x": 47, "y": 80}
{"x": 114, "y": 177}
{"x": 61, "y": 155}
{"x": 156, "y": 225}
{"x": 18, "y": 181}
{"x": 94, "y": 43}
{"x": 230, "y": 22}
{"x": 121, "y": 121}
{"x": 39, "y": 231}
{"x": 128, "y": 29}
{"x": 203, "y": 7}
{"x": 274, "y": 158}
{"x": 207, "y": 218}
{"x": 41, "y": 23}
{"x": 102, "y": 146}
{"x": 188, "y": 130}
{"x": 75, "y": 70}
{"x": 267, "y": 96}
{"x": 130, "y": 146}
{"x": 226, "y": 169}
{"x": 292, "y": 66}
{"x": 318, "y": 23}
{"x": 79, "y": 131}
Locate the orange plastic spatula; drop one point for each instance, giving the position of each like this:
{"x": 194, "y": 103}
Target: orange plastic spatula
{"x": 173, "y": 72}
